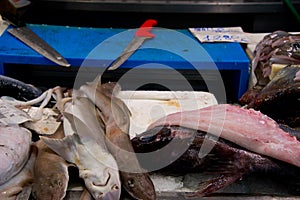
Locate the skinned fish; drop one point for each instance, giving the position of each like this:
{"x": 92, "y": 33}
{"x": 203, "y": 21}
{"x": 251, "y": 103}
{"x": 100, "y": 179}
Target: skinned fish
{"x": 246, "y": 127}
{"x": 97, "y": 168}
{"x": 15, "y": 143}
{"x": 19, "y": 186}
{"x": 115, "y": 116}
{"x": 227, "y": 161}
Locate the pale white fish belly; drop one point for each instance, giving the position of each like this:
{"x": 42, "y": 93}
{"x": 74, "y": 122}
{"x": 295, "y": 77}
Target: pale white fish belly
{"x": 15, "y": 144}
{"x": 98, "y": 170}
{"x": 19, "y": 186}
{"x": 84, "y": 145}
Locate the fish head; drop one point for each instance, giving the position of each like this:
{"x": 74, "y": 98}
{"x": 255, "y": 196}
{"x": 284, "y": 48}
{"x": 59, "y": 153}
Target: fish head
{"x": 104, "y": 188}
{"x": 152, "y": 139}
{"x": 54, "y": 187}
{"x": 138, "y": 185}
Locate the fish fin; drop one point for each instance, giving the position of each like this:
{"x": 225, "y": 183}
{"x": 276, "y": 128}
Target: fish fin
{"x": 122, "y": 120}
{"x": 96, "y": 81}
{"x": 120, "y": 113}
{"x": 123, "y": 106}
{"x": 85, "y": 195}
{"x": 65, "y": 147}
{"x": 223, "y": 160}
{"x": 81, "y": 129}
{"x": 208, "y": 187}
{"x": 32, "y": 158}
{"x": 10, "y": 192}
{"x": 110, "y": 92}
{"x": 25, "y": 194}
{"x": 221, "y": 166}
{"x": 100, "y": 117}
{"x": 86, "y": 138}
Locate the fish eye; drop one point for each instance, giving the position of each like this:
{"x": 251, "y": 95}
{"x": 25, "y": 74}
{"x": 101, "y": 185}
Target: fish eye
{"x": 59, "y": 183}
{"x": 130, "y": 183}
{"x": 114, "y": 187}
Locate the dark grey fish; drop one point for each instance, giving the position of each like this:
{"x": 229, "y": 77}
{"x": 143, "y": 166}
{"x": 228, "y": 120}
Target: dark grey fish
{"x": 18, "y": 89}
{"x": 228, "y": 161}
{"x": 279, "y": 99}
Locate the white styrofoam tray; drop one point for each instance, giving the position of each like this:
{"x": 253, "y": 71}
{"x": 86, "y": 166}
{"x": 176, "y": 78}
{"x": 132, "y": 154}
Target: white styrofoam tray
{"x": 148, "y": 106}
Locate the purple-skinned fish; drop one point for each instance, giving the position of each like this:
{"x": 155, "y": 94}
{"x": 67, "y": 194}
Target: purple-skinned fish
{"x": 226, "y": 160}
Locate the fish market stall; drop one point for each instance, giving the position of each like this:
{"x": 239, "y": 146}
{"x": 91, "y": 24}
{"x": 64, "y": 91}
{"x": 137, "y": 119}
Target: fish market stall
{"x": 100, "y": 45}
{"x": 150, "y": 112}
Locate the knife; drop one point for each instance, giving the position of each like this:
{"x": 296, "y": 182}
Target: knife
{"x": 142, "y": 34}
{"x": 31, "y": 39}
{"x": 26, "y": 35}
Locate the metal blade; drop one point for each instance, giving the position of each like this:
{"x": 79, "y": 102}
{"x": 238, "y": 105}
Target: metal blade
{"x": 127, "y": 52}
{"x": 38, "y": 44}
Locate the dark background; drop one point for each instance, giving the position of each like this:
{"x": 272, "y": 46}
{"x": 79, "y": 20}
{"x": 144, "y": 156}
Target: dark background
{"x": 251, "y": 15}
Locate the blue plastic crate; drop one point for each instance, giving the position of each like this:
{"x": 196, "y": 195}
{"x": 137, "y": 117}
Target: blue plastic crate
{"x": 98, "y": 47}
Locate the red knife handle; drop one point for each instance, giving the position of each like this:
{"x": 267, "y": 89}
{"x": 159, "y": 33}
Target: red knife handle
{"x": 144, "y": 30}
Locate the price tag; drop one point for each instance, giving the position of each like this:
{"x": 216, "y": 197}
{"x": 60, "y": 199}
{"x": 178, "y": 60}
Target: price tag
{"x": 224, "y": 34}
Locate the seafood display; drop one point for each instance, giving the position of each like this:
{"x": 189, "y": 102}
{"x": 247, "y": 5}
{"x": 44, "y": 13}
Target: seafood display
{"x": 275, "y": 67}
{"x": 50, "y": 181}
{"x": 88, "y": 129}
{"x": 115, "y": 116}
{"x": 18, "y": 89}
{"x": 277, "y": 57}
{"x": 19, "y": 186}
{"x": 274, "y": 51}
{"x": 15, "y": 147}
{"x": 228, "y": 160}
{"x": 278, "y": 47}
{"x": 246, "y": 127}
{"x": 282, "y": 93}
{"x": 84, "y": 146}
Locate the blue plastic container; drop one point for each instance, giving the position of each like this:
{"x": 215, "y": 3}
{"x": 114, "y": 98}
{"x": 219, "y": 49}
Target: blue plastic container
{"x": 98, "y": 47}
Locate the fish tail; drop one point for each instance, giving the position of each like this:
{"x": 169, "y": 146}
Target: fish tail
{"x": 25, "y": 193}
{"x": 206, "y": 188}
